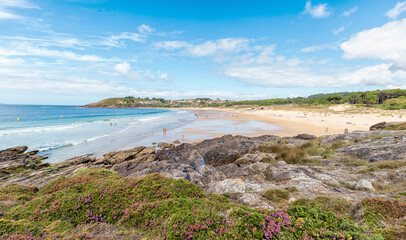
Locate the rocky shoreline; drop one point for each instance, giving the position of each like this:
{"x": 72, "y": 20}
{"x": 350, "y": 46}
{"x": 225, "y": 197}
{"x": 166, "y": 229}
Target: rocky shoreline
{"x": 340, "y": 165}
{"x": 351, "y": 184}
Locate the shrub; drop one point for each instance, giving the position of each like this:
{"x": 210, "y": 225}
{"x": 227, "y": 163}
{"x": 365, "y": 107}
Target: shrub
{"x": 276, "y": 195}
{"x": 94, "y": 202}
{"x": 395, "y": 103}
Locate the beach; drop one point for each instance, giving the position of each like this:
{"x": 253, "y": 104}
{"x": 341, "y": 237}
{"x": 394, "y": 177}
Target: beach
{"x": 62, "y": 132}
{"x": 295, "y": 120}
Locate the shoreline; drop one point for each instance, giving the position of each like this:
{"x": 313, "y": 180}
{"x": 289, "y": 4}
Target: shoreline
{"x": 318, "y": 122}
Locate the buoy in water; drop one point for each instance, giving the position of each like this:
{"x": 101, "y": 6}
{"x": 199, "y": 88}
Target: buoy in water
{"x": 61, "y": 116}
{"x": 18, "y": 119}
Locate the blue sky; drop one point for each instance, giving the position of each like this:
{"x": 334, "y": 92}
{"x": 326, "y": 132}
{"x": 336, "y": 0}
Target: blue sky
{"x": 80, "y": 51}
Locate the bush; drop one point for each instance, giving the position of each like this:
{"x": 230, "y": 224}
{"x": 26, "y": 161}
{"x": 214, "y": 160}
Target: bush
{"x": 97, "y": 202}
{"x": 276, "y": 195}
{"x": 395, "y": 103}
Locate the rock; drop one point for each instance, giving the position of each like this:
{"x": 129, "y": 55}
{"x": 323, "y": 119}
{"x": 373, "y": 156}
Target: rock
{"x": 363, "y": 184}
{"x": 80, "y": 160}
{"x": 377, "y": 149}
{"x": 273, "y": 174}
{"x": 238, "y": 185}
{"x": 217, "y": 151}
{"x": 250, "y": 158}
{"x": 149, "y": 150}
{"x": 164, "y": 145}
{"x": 283, "y": 176}
{"x": 357, "y": 210}
{"x": 121, "y": 156}
{"x": 305, "y": 137}
{"x": 254, "y": 200}
{"x": 14, "y": 159}
{"x": 383, "y": 125}
{"x": 280, "y": 164}
{"x": 12, "y": 153}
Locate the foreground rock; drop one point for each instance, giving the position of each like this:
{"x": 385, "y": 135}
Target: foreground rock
{"x": 16, "y": 159}
{"x": 235, "y": 166}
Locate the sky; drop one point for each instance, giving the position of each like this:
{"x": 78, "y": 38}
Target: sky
{"x": 80, "y": 51}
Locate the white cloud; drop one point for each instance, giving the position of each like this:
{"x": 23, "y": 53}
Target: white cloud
{"x": 397, "y": 10}
{"x": 6, "y": 4}
{"x": 25, "y": 49}
{"x": 123, "y": 68}
{"x": 385, "y": 43}
{"x": 172, "y": 45}
{"x": 220, "y": 46}
{"x": 339, "y": 30}
{"x": 213, "y": 48}
{"x": 333, "y": 46}
{"x": 318, "y": 11}
{"x": 114, "y": 41}
{"x": 144, "y": 29}
{"x": 48, "y": 41}
{"x": 17, "y": 3}
{"x": 350, "y": 11}
{"x": 163, "y": 76}
{"x": 285, "y": 72}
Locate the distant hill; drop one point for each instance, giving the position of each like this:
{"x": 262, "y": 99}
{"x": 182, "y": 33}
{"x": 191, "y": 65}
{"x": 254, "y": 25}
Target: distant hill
{"x": 133, "y": 102}
{"x": 369, "y": 98}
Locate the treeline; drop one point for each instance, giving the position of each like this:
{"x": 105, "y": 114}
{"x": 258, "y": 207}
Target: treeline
{"x": 379, "y": 97}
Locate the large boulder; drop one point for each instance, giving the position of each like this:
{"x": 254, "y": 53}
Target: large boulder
{"x": 17, "y": 158}
{"x": 363, "y": 184}
{"x": 218, "y": 151}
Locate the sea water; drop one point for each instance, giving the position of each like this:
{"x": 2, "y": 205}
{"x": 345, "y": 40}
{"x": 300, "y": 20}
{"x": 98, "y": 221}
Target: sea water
{"x": 63, "y": 132}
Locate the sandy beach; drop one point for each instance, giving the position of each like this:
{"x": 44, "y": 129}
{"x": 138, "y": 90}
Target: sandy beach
{"x": 293, "y": 120}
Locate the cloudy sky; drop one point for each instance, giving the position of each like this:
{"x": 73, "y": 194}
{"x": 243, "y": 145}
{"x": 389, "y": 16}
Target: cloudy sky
{"x": 80, "y": 51}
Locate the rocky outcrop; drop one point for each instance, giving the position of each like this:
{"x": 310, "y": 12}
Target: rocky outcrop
{"x": 383, "y": 125}
{"x": 363, "y": 184}
{"x": 217, "y": 151}
{"x": 17, "y": 159}
{"x": 235, "y": 166}
{"x": 379, "y": 148}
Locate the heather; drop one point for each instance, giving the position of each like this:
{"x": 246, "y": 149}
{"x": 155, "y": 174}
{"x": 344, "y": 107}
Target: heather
{"x": 99, "y": 204}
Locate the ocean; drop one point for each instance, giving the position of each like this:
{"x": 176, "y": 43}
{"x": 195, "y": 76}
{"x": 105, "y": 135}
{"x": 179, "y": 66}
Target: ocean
{"x": 63, "y": 132}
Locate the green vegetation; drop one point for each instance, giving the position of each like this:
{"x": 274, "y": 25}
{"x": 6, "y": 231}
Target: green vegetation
{"x": 378, "y": 97}
{"x": 386, "y": 217}
{"x": 133, "y": 102}
{"x": 97, "y": 204}
{"x": 291, "y": 189}
{"x": 395, "y": 103}
{"x": 388, "y": 164}
{"x": 401, "y": 126}
{"x": 386, "y": 99}
{"x": 382, "y": 217}
{"x": 276, "y": 195}
{"x": 298, "y": 155}
{"x": 326, "y": 204}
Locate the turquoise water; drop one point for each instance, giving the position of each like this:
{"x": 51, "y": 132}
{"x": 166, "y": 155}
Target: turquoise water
{"x": 62, "y": 132}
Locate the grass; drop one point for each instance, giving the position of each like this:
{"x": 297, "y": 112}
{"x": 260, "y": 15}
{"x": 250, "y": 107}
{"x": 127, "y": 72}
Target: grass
{"x": 291, "y": 189}
{"x": 383, "y": 215}
{"x": 97, "y": 203}
{"x": 326, "y": 203}
{"x": 299, "y": 154}
{"x": 388, "y": 164}
{"x": 352, "y": 161}
{"x": 401, "y": 126}
{"x": 276, "y": 195}
{"x": 341, "y": 184}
